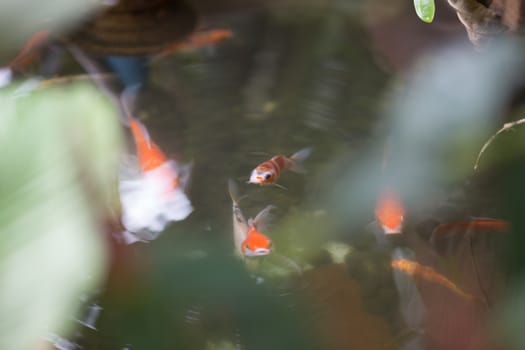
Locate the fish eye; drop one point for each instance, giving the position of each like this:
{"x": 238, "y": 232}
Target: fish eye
{"x": 267, "y": 176}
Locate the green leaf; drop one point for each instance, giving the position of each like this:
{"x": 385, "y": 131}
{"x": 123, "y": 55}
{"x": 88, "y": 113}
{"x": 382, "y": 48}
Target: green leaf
{"x": 425, "y": 10}
{"x": 60, "y": 150}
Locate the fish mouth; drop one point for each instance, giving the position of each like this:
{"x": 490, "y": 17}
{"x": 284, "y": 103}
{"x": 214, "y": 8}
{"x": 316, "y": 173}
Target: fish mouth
{"x": 258, "y": 180}
{"x": 257, "y": 252}
{"x": 392, "y": 231}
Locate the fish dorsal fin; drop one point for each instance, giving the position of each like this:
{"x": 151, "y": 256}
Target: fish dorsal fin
{"x": 302, "y": 154}
{"x": 263, "y": 219}
{"x": 233, "y": 190}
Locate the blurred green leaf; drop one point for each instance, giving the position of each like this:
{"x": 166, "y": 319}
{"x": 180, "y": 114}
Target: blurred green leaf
{"x": 61, "y": 148}
{"x": 20, "y": 19}
{"x": 425, "y": 10}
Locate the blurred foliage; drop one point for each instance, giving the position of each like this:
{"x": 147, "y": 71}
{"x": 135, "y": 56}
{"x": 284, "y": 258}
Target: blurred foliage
{"x": 431, "y": 146}
{"x": 59, "y": 163}
{"x": 17, "y": 23}
{"x": 197, "y": 302}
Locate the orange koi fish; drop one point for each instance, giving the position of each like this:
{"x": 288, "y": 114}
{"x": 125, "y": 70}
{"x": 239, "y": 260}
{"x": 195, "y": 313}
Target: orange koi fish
{"x": 390, "y": 211}
{"x": 248, "y": 241}
{"x": 197, "y": 40}
{"x": 156, "y": 195}
{"x": 268, "y": 172}
{"x": 427, "y": 273}
{"x": 29, "y": 52}
{"x": 443, "y": 230}
{"x": 205, "y": 38}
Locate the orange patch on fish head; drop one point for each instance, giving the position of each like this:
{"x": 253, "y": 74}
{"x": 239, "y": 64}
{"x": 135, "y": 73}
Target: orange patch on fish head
{"x": 256, "y": 244}
{"x": 390, "y": 212}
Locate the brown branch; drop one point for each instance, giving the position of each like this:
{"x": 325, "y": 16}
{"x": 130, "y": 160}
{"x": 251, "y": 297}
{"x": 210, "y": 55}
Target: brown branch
{"x": 506, "y": 126}
{"x": 482, "y": 23}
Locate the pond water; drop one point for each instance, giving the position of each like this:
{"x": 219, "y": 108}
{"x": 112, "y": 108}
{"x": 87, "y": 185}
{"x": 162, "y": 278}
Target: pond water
{"x": 319, "y": 76}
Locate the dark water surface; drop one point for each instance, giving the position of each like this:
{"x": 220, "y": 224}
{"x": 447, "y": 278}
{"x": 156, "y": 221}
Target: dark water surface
{"x": 291, "y": 78}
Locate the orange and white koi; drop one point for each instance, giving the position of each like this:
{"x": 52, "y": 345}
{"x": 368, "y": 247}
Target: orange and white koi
{"x": 268, "y": 172}
{"x": 156, "y": 195}
{"x": 430, "y": 275}
{"x": 390, "y": 211}
{"x": 247, "y": 239}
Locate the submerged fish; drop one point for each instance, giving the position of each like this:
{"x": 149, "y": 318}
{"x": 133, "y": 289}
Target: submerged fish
{"x": 427, "y": 273}
{"x": 447, "y": 229}
{"x": 268, "y": 172}
{"x": 29, "y": 51}
{"x": 390, "y": 211}
{"x": 196, "y": 40}
{"x": 247, "y": 239}
{"x": 155, "y": 195}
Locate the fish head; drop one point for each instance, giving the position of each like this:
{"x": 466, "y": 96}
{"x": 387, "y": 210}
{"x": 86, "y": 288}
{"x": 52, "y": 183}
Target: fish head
{"x": 220, "y": 34}
{"x": 262, "y": 176}
{"x": 390, "y": 212}
{"x": 256, "y": 244}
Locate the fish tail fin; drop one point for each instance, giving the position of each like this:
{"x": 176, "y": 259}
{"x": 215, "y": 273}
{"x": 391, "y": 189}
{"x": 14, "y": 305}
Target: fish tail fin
{"x": 297, "y": 159}
{"x": 128, "y": 100}
{"x": 233, "y": 190}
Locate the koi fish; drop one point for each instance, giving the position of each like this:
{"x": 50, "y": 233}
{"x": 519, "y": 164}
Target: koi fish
{"x": 196, "y": 40}
{"x": 427, "y": 273}
{"x": 155, "y": 195}
{"x": 247, "y": 239}
{"x": 390, "y": 211}
{"x": 268, "y": 172}
{"x": 204, "y": 38}
{"x": 444, "y": 230}
{"x": 29, "y": 52}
